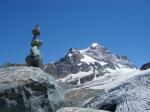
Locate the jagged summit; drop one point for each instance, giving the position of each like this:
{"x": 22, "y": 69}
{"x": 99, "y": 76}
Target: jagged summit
{"x": 102, "y": 54}
{"x": 73, "y": 51}
{"x": 95, "y": 45}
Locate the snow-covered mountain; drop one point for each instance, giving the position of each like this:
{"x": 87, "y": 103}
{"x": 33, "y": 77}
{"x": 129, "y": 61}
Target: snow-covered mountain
{"x": 81, "y": 66}
{"x": 102, "y": 54}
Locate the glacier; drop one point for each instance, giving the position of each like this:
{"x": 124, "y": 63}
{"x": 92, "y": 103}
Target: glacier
{"x": 132, "y": 95}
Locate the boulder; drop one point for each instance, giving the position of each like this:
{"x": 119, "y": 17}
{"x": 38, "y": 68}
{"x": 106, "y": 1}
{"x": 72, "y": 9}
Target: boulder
{"x": 79, "y": 97}
{"x": 36, "y": 42}
{"x": 34, "y": 59}
{"x": 28, "y": 89}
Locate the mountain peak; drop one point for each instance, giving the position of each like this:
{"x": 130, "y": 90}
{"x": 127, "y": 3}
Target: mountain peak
{"x": 72, "y": 50}
{"x": 95, "y": 45}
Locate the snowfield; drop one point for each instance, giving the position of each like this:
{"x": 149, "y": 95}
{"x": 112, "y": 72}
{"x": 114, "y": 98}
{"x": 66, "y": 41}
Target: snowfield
{"x": 114, "y": 79}
{"x": 107, "y": 81}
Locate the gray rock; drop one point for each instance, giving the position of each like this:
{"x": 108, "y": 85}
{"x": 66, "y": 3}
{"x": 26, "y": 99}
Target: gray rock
{"x": 35, "y": 61}
{"x": 65, "y": 86}
{"x": 28, "y": 89}
{"x": 75, "y": 109}
{"x": 34, "y": 58}
{"x": 77, "y": 98}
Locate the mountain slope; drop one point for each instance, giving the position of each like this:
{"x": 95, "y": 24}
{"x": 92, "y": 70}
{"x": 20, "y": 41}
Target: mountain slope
{"x": 81, "y": 66}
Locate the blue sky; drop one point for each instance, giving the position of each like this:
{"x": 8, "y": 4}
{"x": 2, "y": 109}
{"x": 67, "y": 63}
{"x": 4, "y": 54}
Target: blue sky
{"x": 122, "y": 26}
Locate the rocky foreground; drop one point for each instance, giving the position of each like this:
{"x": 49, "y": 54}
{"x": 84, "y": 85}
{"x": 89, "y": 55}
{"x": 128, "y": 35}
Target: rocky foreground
{"x": 75, "y": 109}
{"x": 28, "y": 89}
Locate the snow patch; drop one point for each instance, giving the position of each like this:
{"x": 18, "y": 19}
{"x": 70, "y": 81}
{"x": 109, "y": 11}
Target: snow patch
{"x": 95, "y": 45}
{"x": 102, "y": 63}
{"x": 88, "y": 59}
{"x": 77, "y": 76}
{"x": 111, "y": 80}
{"x": 117, "y": 77}
{"x": 70, "y": 55}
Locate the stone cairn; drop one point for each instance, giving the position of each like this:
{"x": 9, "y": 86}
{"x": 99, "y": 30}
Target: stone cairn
{"x": 34, "y": 58}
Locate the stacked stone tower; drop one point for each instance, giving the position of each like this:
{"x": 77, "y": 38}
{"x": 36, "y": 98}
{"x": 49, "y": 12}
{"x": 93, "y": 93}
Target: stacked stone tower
{"x": 34, "y": 58}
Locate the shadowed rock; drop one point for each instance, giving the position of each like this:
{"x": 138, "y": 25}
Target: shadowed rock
{"x": 145, "y": 66}
{"x": 28, "y": 89}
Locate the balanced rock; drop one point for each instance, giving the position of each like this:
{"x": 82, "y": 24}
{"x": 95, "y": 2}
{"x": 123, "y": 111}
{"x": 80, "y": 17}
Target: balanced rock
{"x": 34, "y": 58}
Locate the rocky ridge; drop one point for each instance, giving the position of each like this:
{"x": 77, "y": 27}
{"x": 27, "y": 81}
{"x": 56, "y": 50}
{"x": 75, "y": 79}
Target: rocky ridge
{"x": 82, "y": 66}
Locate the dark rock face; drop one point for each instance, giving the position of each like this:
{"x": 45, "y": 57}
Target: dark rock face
{"x": 109, "y": 105}
{"x": 28, "y": 89}
{"x": 17, "y": 99}
{"x": 145, "y": 66}
{"x": 68, "y": 65}
{"x": 87, "y": 78}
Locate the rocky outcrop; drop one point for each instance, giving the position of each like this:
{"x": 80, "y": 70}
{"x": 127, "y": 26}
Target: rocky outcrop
{"x": 145, "y": 66}
{"x": 74, "y": 109}
{"x": 28, "y": 89}
{"x": 132, "y": 95}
